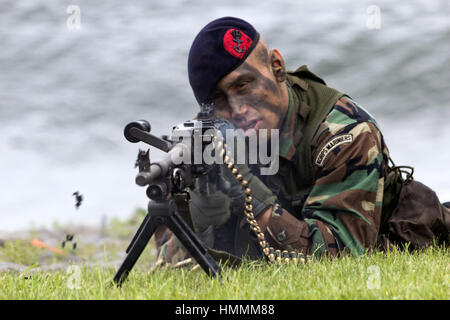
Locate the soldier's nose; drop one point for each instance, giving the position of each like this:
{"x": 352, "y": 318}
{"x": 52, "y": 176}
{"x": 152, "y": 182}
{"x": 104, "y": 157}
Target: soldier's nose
{"x": 239, "y": 111}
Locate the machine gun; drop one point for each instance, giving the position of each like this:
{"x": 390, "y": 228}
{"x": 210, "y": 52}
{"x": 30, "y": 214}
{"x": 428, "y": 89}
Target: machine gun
{"x": 167, "y": 182}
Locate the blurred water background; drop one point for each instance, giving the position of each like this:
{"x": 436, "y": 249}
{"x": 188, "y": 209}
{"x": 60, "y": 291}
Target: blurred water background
{"x": 65, "y": 95}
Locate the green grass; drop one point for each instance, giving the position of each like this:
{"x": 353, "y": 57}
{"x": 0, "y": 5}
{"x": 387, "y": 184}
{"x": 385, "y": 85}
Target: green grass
{"x": 402, "y": 275}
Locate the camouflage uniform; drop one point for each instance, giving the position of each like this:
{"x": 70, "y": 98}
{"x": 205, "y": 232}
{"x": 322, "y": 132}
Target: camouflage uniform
{"x": 343, "y": 208}
{"x": 332, "y": 195}
{"x": 336, "y": 201}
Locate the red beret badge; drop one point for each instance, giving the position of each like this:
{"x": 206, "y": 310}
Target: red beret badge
{"x": 236, "y": 43}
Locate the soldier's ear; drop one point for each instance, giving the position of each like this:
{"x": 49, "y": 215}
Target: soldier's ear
{"x": 278, "y": 65}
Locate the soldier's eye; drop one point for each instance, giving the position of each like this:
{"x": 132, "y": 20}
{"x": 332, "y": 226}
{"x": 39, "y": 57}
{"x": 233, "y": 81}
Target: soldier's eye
{"x": 242, "y": 85}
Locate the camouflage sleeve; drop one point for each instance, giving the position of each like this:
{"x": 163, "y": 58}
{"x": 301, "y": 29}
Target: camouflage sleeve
{"x": 343, "y": 210}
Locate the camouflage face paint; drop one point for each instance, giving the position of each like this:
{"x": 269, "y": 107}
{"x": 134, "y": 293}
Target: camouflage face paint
{"x": 247, "y": 96}
{"x": 263, "y": 87}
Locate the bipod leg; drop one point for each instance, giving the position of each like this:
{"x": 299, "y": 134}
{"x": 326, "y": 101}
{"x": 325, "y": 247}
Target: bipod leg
{"x": 164, "y": 213}
{"x": 192, "y": 244}
{"x": 137, "y": 245}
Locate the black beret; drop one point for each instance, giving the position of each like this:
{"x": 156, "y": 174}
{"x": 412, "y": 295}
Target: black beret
{"x": 219, "y": 48}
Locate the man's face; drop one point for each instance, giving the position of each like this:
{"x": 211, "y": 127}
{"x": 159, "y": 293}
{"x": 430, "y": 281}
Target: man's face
{"x": 251, "y": 96}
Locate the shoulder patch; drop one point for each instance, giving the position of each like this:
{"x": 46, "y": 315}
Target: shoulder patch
{"x": 332, "y": 144}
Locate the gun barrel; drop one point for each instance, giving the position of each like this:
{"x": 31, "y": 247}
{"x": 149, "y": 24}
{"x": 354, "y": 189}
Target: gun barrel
{"x": 160, "y": 168}
{"x": 144, "y": 178}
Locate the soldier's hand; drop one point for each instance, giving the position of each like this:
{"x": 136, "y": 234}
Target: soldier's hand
{"x": 209, "y": 205}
